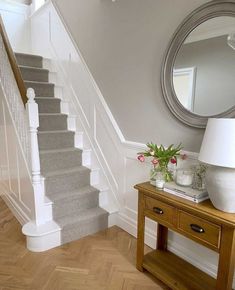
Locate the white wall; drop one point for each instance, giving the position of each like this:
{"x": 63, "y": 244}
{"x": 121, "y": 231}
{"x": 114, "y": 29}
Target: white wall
{"x": 17, "y": 24}
{"x": 26, "y": 2}
{"x": 123, "y": 43}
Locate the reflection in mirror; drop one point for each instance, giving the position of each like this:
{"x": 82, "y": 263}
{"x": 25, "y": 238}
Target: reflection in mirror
{"x": 204, "y": 68}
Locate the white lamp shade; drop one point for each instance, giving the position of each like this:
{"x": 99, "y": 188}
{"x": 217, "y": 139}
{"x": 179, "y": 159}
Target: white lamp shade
{"x": 218, "y": 145}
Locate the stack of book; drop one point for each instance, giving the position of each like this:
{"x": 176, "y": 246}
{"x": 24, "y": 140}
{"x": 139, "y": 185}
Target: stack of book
{"x": 188, "y": 193}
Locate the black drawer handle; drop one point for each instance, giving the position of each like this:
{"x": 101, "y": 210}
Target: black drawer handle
{"x": 197, "y": 228}
{"x": 158, "y": 210}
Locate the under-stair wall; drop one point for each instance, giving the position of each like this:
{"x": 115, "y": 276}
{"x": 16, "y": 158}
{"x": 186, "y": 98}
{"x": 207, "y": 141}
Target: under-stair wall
{"x": 15, "y": 179}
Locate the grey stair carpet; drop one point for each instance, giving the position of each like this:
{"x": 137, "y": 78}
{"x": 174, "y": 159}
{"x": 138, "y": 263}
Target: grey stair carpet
{"x": 57, "y": 159}
{"x": 42, "y": 89}
{"x": 34, "y": 73}
{"x": 48, "y": 104}
{"x": 67, "y": 182}
{"x": 52, "y": 122}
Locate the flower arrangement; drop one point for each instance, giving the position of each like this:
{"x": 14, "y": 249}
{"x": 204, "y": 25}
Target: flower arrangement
{"x": 161, "y": 157}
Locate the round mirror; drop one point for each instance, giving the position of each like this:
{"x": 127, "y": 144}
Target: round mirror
{"x": 199, "y": 67}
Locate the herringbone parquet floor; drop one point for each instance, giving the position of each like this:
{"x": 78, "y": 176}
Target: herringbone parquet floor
{"x": 104, "y": 261}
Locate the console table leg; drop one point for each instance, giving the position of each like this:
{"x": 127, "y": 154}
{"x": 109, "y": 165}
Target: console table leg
{"x": 226, "y": 260}
{"x": 162, "y": 235}
{"x": 140, "y": 234}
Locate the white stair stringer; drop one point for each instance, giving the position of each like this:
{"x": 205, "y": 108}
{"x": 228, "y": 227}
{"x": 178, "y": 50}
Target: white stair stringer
{"x": 77, "y": 122}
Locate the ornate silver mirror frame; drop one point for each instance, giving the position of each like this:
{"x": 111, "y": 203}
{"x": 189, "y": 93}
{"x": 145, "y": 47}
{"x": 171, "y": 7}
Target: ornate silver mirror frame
{"x": 205, "y": 12}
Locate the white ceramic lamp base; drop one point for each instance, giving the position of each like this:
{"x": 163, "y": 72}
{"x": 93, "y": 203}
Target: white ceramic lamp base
{"x": 220, "y": 183}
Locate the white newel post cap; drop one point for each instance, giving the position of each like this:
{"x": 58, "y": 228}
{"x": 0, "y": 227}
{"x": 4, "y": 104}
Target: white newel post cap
{"x": 30, "y": 95}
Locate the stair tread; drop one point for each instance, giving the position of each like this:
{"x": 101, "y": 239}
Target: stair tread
{"x": 52, "y": 114}
{"x": 33, "y": 68}
{"x": 65, "y": 171}
{"x": 47, "y": 98}
{"x": 37, "y": 82}
{"x": 55, "y": 131}
{"x": 81, "y": 216}
{"x": 28, "y": 55}
{"x": 75, "y": 193}
{"x": 69, "y": 149}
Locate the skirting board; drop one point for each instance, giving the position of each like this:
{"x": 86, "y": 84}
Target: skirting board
{"x": 14, "y": 208}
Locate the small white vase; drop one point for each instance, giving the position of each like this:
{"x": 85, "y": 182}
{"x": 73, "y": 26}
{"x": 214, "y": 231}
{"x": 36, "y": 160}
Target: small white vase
{"x": 220, "y": 184}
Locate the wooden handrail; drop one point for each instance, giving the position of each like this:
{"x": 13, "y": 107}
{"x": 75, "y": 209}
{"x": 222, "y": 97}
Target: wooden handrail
{"x": 13, "y": 62}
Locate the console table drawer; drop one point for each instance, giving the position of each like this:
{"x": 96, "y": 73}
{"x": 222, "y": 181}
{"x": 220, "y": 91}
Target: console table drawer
{"x": 199, "y": 229}
{"x": 162, "y": 211}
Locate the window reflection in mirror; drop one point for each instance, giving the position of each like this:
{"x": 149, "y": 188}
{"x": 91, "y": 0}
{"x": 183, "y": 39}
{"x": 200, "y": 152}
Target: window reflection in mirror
{"x": 184, "y": 85}
{"x": 208, "y": 50}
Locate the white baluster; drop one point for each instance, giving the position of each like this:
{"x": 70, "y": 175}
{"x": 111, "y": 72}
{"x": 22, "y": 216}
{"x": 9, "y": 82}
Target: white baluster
{"x": 32, "y": 109}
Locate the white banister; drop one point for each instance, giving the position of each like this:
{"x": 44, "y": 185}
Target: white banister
{"x": 33, "y": 117}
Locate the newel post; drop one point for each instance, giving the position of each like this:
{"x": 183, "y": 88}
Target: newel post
{"x": 32, "y": 109}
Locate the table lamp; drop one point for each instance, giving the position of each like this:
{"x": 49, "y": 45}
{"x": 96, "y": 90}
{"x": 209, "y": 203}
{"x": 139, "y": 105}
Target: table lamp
{"x": 218, "y": 151}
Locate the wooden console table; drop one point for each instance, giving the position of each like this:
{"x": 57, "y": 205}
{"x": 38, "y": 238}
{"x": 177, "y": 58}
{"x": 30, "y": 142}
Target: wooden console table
{"x": 199, "y": 222}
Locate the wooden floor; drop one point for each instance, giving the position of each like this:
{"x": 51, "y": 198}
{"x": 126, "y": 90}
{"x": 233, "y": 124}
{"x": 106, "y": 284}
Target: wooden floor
{"x": 105, "y": 260}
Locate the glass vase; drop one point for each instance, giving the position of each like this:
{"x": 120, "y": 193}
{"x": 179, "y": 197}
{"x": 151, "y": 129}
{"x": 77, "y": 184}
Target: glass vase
{"x": 160, "y": 175}
{"x": 152, "y": 176}
{"x": 160, "y": 179}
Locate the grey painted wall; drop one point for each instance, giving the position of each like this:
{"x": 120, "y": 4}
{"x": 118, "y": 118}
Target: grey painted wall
{"x": 123, "y": 43}
{"x": 215, "y": 70}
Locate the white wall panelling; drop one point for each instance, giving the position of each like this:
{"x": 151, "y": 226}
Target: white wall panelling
{"x": 17, "y": 24}
{"x": 16, "y": 184}
{"x": 95, "y": 125}
{"x": 16, "y": 187}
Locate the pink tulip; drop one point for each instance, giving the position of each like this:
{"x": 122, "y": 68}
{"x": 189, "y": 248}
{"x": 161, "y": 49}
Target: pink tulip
{"x": 184, "y": 156}
{"x": 141, "y": 158}
{"x": 154, "y": 161}
{"x": 173, "y": 160}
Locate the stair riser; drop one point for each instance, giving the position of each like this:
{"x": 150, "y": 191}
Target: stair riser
{"x": 42, "y": 90}
{"x": 60, "y": 160}
{"x": 52, "y": 123}
{"x": 76, "y": 231}
{"x": 49, "y": 141}
{"x": 66, "y": 207}
{"x": 67, "y": 182}
{"x": 32, "y": 61}
{"x": 34, "y": 75}
{"x": 48, "y": 105}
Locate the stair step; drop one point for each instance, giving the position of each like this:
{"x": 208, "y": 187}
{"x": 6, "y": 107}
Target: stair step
{"x": 29, "y": 60}
{"x": 52, "y": 122}
{"x": 84, "y": 223}
{"x": 66, "y": 180}
{"x": 67, "y": 203}
{"x": 42, "y": 89}
{"x": 55, "y": 139}
{"x": 34, "y": 74}
{"x": 48, "y": 105}
{"x": 51, "y": 160}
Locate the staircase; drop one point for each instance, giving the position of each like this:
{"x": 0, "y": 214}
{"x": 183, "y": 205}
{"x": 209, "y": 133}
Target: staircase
{"x": 75, "y": 203}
